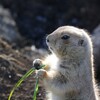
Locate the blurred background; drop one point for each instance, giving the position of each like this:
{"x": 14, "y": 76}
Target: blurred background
{"x": 24, "y": 24}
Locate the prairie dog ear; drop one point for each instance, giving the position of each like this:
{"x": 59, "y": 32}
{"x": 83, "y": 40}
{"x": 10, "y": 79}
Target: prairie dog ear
{"x": 85, "y": 30}
{"x": 81, "y": 42}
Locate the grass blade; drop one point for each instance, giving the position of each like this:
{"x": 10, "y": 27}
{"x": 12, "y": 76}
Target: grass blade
{"x": 36, "y": 89}
{"x": 20, "y": 81}
{"x": 36, "y": 85}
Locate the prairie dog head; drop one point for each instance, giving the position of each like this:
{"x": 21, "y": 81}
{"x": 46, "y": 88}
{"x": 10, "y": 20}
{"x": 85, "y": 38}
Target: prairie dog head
{"x": 69, "y": 41}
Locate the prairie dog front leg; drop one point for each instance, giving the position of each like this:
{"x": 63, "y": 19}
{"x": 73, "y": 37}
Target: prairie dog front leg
{"x": 37, "y": 63}
{"x": 42, "y": 73}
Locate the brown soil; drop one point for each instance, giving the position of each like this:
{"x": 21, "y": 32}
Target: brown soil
{"x": 13, "y": 65}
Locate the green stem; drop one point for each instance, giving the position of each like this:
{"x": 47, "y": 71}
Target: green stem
{"x": 37, "y": 86}
{"x": 36, "y": 89}
{"x": 20, "y": 81}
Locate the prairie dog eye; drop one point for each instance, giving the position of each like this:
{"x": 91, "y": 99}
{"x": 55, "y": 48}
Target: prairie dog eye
{"x": 65, "y": 37}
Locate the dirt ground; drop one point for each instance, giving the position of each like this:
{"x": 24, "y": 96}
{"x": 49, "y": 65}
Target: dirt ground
{"x": 14, "y": 63}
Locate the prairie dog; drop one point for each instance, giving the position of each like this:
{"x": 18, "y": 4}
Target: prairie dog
{"x": 69, "y": 74}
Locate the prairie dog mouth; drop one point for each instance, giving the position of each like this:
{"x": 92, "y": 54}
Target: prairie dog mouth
{"x": 50, "y": 48}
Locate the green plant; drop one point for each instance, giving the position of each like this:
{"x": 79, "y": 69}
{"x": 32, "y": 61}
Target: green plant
{"x": 22, "y": 79}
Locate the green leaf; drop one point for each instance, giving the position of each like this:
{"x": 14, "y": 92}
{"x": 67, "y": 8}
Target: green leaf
{"x": 20, "y": 81}
{"x": 36, "y": 89}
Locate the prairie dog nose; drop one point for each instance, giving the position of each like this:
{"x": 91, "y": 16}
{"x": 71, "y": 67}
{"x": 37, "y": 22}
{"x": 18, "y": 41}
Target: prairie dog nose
{"x": 47, "y": 39}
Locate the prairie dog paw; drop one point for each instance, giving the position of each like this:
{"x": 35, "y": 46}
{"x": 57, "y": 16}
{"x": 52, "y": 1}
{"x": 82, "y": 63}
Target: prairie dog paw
{"x": 40, "y": 73}
{"x": 37, "y": 63}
